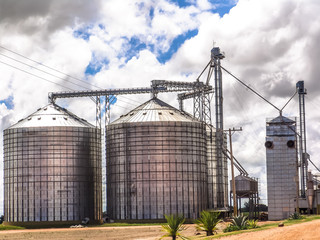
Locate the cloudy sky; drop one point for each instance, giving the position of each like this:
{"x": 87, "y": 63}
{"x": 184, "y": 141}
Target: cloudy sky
{"x": 60, "y": 45}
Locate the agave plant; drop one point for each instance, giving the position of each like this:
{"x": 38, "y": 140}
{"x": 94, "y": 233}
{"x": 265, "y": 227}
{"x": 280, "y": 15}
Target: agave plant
{"x": 208, "y": 222}
{"x": 240, "y": 221}
{"x": 174, "y": 226}
{"x": 237, "y": 223}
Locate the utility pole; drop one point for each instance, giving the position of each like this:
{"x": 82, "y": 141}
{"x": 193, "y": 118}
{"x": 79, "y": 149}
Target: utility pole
{"x": 235, "y": 208}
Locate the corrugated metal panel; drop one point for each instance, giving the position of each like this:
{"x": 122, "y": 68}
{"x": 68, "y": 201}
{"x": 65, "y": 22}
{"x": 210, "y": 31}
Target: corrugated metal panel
{"x": 156, "y": 168}
{"x": 52, "y": 116}
{"x": 281, "y": 169}
{"x": 156, "y": 164}
{"x": 245, "y": 185}
{"x": 52, "y": 174}
{"x": 52, "y": 168}
{"x": 155, "y": 110}
{"x": 281, "y": 126}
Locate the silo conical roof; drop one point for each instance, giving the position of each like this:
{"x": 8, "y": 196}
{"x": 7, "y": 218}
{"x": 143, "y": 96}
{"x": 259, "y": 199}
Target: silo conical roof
{"x": 281, "y": 120}
{"x": 155, "y": 110}
{"x": 51, "y": 115}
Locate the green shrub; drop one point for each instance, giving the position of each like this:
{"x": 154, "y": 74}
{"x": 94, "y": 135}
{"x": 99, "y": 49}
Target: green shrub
{"x": 231, "y": 228}
{"x": 295, "y": 215}
{"x": 252, "y": 224}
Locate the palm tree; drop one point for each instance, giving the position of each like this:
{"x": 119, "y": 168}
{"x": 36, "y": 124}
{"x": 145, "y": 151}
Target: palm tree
{"x": 174, "y": 226}
{"x": 208, "y": 221}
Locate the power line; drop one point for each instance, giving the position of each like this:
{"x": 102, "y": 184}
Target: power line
{"x": 44, "y": 71}
{"x": 129, "y": 100}
{"x": 251, "y": 89}
{"x": 314, "y": 165}
{"x": 48, "y": 67}
{"x": 50, "y": 73}
{"x": 36, "y": 75}
{"x": 37, "y": 62}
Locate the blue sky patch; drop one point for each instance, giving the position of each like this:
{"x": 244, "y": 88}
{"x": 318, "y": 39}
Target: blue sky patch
{"x": 101, "y": 26}
{"x": 222, "y": 10}
{"x": 95, "y": 66}
{"x": 135, "y": 46}
{"x": 182, "y": 3}
{"x": 221, "y": 7}
{"x": 175, "y": 45}
{"x": 151, "y": 13}
{"x": 83, "y": 33}
{"x": 8, "y": 102}
{"x": 112, "y": 100}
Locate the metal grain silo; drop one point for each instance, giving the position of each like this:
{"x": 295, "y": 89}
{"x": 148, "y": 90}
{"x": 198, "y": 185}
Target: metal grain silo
{"x": 156, "y": 163}
{"x": 52, "y": 168}
{"x": 282, "y": 169}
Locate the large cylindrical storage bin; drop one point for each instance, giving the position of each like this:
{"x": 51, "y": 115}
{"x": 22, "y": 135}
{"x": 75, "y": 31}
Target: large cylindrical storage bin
{"x": 52, "y": 169}
{"x": 156, "y": 164}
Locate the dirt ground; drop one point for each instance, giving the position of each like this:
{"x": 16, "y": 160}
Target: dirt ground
{"x": 303, "y": 231}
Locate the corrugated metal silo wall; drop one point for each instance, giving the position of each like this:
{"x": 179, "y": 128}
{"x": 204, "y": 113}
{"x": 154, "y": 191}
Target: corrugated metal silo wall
{"x": 281, "y": 171}
{"x": 156, "y": 168}
{"x": 52, "y": 174}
